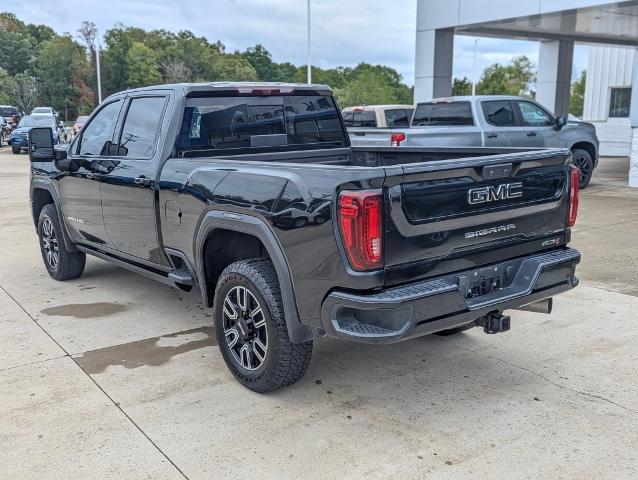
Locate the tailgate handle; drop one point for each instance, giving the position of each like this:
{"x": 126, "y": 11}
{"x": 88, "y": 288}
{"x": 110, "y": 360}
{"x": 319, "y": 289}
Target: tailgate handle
{"x": 491, "y": 172}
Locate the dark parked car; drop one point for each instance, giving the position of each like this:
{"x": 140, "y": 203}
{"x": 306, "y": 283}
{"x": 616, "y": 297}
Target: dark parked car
{"x": 19, "y": 136}
{"x": 5, "y": 132}
{"x": 251, "y": 195}
{"x": 10, "y": 114}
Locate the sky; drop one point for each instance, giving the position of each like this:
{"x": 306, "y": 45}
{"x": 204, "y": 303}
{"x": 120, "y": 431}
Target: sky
{"x": 344, "y": 32}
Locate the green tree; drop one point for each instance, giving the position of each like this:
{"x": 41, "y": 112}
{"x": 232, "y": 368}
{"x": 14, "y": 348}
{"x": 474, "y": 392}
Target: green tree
{"x": 61, "y": 67}
{"x": 461, "y": 87}
{"x": 577, "y": 98}
{"x": 513, "y": 79}
{"x": 23, "y": 90}
{"x": 16, "y": 53}
{"x": 142, "y": 66}
{"x": 233, "y": 68}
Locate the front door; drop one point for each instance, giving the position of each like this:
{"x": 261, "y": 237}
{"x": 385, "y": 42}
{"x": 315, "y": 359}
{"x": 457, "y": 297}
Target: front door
{"x": 539, "y": 125}
{"x": 128, "y": 185}
{"x": 80, "y": 186}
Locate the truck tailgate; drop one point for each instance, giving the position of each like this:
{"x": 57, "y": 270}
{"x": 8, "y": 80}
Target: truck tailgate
{"x": 457, "y": 214}
{"x": 370, "y": 137}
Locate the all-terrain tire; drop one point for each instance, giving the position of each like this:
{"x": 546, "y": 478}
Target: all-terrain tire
{"x": 284, "y": 362}
{"x": 59, "y": 262}
{"x": 582, "y": 159}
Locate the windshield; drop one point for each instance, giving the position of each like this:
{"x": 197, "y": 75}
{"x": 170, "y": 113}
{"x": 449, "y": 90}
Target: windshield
{"x": 8, "y": 111}
{"x": 272, "y": 123}
{"x": 37, "y": 121}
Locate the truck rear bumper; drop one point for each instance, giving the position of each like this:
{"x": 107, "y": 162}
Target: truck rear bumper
{"x": 432, "y": 305}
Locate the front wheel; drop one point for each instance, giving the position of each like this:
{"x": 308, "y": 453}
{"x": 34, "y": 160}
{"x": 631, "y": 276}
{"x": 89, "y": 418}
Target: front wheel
{"x": 251, "y": 328}
{"x": 61, "y": 263}
{"x": 582, "y": 159}
{"x": 15, "y": 150}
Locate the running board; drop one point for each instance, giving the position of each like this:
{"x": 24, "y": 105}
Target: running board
{"x": 180, "y": 278}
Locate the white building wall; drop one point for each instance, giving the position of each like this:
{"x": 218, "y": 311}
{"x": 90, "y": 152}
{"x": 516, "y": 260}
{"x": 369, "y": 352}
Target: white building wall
{"x": 608, "y": 67}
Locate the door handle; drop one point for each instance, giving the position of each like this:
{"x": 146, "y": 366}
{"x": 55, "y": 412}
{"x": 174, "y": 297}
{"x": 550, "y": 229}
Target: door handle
{"x": 491, "y": 135}
{"x": 93, "y": 176}
{"x": 531, "y": 134}
{"x": 143, "y": 181}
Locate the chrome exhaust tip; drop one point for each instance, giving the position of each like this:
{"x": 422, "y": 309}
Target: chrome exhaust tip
{"x": 542, "y": 306}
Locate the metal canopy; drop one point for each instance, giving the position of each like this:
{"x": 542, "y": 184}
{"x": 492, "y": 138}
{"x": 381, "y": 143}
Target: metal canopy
{"x": 611, "y": 23}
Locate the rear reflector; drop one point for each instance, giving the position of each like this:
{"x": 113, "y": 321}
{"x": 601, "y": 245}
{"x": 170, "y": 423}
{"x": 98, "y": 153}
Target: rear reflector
{"x": 574, "y": 187}
{"x": 359, "y": 215}
{"x": 397, "y": 138}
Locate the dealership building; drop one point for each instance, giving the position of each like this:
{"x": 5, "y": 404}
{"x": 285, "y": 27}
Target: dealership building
{"x": 609, "y": 28}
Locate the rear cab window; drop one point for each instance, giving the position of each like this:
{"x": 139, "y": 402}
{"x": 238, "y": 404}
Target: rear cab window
{"x": 398, "y": 117}
{"x": 254, "y": 124}
{"x": 360, "y": 118}
{"x": 435, "y": 114}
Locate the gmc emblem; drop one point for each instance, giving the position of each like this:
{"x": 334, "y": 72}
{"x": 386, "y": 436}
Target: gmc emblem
{"x": 503, "y": 191}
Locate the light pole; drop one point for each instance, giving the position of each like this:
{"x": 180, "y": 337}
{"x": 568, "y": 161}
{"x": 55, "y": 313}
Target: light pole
{"x": 309, "y": 67}
{"x": 476, "y": 40}
{"x": 97, "y": 71}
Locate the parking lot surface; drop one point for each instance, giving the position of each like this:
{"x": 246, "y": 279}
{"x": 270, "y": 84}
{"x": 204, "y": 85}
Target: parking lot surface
{"x": 115, "y": 376}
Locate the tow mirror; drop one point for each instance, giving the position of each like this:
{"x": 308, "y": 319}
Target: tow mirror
{"x": 41, "y": 145}
{"x": 561, "y": 121}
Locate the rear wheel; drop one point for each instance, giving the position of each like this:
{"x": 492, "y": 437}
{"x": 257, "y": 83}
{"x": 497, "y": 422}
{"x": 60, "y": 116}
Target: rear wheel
{"x": 582, "y": 159}
{"x": 251, "y": 328}
{"x": 59, "y": 262}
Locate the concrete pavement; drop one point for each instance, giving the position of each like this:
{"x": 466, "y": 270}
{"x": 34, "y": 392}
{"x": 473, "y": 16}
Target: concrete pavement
{"x": 114, "y": 376}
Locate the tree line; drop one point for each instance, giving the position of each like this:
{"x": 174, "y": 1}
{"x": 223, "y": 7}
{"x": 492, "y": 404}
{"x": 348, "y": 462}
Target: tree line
{"x": 41, "y": 67}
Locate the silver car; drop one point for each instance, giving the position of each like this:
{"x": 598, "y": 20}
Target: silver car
{"x": 489, "y": 121}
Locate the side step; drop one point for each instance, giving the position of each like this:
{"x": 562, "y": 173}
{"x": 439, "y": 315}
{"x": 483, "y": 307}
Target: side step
{"x": 181, "y": 276}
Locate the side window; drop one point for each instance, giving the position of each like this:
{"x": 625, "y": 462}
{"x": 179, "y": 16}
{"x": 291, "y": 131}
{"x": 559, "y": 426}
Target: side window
{"x": 499, "y": 113}
{"x": 141, "y": 126}
{"x": 533, "y": 115}
{"x": 98, "y": 134}
{"x": 397, "y": 118}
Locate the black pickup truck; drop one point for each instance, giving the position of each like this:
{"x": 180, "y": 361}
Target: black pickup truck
{"x": 252, "y": 195}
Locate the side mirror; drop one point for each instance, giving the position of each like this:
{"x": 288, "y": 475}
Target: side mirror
{"x": 561, "y": 121}
{"x": 41, "y": 145}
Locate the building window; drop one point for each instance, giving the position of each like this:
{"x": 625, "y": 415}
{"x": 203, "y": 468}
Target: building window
{"x": 620, "y": 102}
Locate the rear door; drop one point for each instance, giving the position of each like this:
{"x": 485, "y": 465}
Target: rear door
{"x": 457, "y": 214}
{"x": 128, "y": 181}
{"x": 443, "y": 123}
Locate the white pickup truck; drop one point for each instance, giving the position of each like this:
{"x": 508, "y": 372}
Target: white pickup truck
{"x": 488, "y": 121}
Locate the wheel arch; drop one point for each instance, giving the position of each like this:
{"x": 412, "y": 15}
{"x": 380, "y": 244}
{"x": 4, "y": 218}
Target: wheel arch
{"x": 589, "y": 148}
{"x": 217, "y": 222}
{"x": 43, "y": 193}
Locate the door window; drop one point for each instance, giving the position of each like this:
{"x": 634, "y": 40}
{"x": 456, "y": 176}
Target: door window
{"x": 534, "y": 116}
{"x": 499, "y": 113}
{"x": 98, "y": 134}
{"x": 141, "y": 127}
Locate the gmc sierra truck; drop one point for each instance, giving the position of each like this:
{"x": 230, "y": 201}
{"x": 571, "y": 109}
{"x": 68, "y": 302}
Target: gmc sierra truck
{"x": 251, "y": 195}
{"x": 488, "y": 121}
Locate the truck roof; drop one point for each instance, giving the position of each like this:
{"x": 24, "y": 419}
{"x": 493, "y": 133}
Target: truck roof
{"x": 187, "y": 89}
{"x": 469, "y": 98}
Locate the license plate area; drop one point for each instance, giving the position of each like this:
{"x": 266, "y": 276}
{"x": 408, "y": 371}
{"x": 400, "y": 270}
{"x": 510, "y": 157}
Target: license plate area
{"x": 481, "y": 282}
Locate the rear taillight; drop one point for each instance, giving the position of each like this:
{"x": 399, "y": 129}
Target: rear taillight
{"x": 359, "y": 215}
{"x": 574, "y": 187}
{"x": 396, "y": 139}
